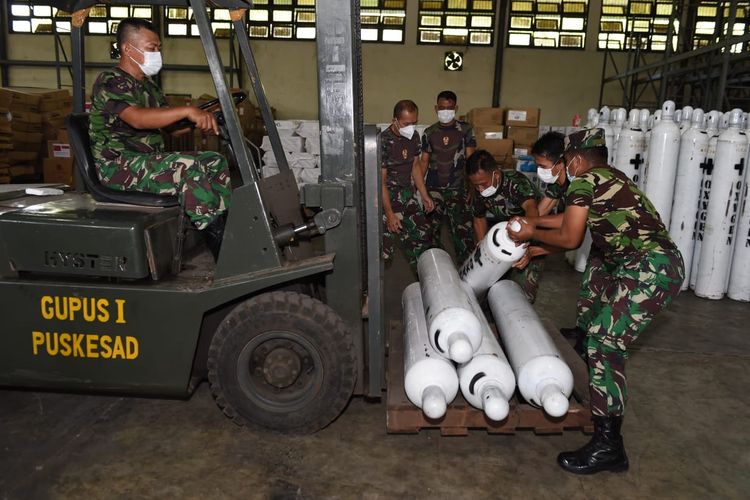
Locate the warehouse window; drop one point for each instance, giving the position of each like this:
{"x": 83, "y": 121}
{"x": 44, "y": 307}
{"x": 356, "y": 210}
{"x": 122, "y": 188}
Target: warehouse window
{"x": 628, "y": 24}
{"x": 712, "y": 22}
{"x": 548, "y": 23}
{"x": 24, "y": 17}
{"x": 282, "y": 19}
{"x": 180, "y": 21}
{"x": 456, "y": 22}
{"x": 383, "y": 20}
{"x": 103, "y": 19}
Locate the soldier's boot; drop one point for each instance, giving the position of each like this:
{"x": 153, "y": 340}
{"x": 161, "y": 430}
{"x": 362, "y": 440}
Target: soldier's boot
{"x": 572, "y": 333}
{"x": 213, "y": 234}
{"x": 579, "y": 335}
{"x": 605, "y": 451}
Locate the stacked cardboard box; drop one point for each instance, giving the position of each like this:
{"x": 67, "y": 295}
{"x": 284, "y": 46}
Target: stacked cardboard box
{"x": 5, "y": 137}
{"x": 522, "y": 125}
{"x": 59, "y": 165}
{"x": 488, "y": 129}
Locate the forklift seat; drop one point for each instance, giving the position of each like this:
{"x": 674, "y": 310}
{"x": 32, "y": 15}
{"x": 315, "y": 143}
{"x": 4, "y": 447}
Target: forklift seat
{"x": 78, "y": 130}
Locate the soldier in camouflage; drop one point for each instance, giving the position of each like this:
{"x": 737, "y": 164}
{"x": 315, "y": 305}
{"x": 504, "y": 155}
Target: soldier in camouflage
{"x": 445, "y": 147}
{"x": 637, "y": 273}
{"x": 405, "y": 218}
{"x": 504, "y": 194}
{"x": 127, "y": 112}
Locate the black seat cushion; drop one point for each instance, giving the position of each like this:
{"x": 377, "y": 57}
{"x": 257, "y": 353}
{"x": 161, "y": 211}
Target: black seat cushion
{"x": 78, "y": 130}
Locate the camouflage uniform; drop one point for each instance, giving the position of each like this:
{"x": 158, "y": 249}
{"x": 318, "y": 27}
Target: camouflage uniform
{"x": 130, "y": 159}
{"x": 634, "y": 271}
{"x": 513, "y": 191}
{"x": 445, "y": 183}
{"x": 397, "y": 156}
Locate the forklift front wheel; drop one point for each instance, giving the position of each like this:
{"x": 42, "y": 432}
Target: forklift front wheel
{"x": 283, "y": 361}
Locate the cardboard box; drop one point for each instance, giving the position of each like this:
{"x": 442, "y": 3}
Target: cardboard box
{"x": 57, "y": 149}
{"x": 523, "y": 117}
{"x": 64, "y": 103}
{"x": 486, "y": 132}
{"x": 479, "y": 117}
{"x": 26, "y": 117}
{"x": 54, "y": 116}
{"x": 521, "y": 150}
{"x": 522, "y": 135}
{"x": 59, "y": 171}
{"x": 500, "y": 149}
{"x": 5, "y": 98}
{"x": 174, "y": 100}
{"x": 18, "y": 136}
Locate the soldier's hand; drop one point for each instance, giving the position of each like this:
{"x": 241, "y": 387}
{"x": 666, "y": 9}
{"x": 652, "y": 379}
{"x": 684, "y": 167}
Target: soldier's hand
{"x": 526, "y": 231}
{"x": 203, "y": 120}
{"x": 428, "y": 204}
{"x": 393, "y": 223}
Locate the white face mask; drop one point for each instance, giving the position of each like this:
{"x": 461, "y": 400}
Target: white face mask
{"x": 571, "y": 177}
{"x": 446, "y": 115}
{"x": 407, "y": 131}
{"x": 490, "y": 191}
{"x": 151, "y": 62}
{"x": 545, "y": 175}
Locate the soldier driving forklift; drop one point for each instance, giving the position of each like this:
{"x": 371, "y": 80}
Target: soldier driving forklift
{"x": 98, "y": 289}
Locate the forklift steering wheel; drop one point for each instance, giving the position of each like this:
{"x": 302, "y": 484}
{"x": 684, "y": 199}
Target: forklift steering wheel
{"x": 185, "y": 123}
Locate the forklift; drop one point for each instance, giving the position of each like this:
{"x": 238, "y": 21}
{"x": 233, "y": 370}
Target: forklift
{"x": 101, "y": 292}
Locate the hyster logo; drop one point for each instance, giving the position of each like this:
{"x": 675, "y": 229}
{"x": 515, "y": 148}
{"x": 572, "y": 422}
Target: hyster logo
{"x": 77, "y": 260}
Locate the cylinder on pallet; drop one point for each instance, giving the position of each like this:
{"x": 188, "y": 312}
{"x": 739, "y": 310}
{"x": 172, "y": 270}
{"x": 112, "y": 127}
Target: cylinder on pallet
{"x": 687, "y": 190}
{"x": 491, "y": 259}
{"x": 430, "y": 380}
{"x": 739, "y": 279}
{"x": 543, "y": 377}
{"x": 487, "y": 381}
{"x": 592, "y": 118}
{"x": 609, "y": 133}
{"x": 647, "y": 122}
{"x": 686, "y": 122}
{"x": 663, "y": 150}
{"x": 726, "y": 189}
{"x": 453, "y": 328}
{"x": 629, "y": 155}
{"x": 712, "y": 130}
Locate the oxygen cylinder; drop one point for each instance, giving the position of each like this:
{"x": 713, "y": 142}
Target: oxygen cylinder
{"x": 609, "y": 134}
{"x": 678, "y": 117}
{"x": 592, "y": 118}
{"x": 663, "y": 149}
{"x": 543, "y": 377}
{"x": 430, "y": 380}
{"x": 726, "y": 189}
{"x": 686, "y": 122}
{"x": 629, "y": 155}
{"x": 491, "y": 259}
{"x": 724, "y": 123}
{"x": 712, "y": 130}
{"x": 619, "y": 117}
{"x": 487, "y": 381}
{"x": 647, "y": 122}
{"x": 582, "y": 254}
{"x": 693, "y": 149}
{"x": 453, "y": 328}
{"x": 739, "y": 279}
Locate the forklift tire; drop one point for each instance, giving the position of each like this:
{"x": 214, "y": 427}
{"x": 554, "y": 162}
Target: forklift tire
{"x": 282, "y": 361}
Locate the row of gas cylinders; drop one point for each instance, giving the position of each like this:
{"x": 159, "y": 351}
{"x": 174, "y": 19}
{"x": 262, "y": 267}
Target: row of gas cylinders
{"x": 449, "y": 343}
{"x": 693, "y": 167}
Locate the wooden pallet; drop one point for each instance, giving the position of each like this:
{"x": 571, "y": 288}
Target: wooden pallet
{"x": 405, "y": 418}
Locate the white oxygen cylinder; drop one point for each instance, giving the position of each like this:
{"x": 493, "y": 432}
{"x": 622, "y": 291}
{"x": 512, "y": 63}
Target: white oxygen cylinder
{"x": 544, "y": 379}
{"x": 739, "y": 279}
{"x": 726, "y": 189}
{"x": 687, "y": 190}
{"x": 609, "y": 133}
{"x": 712, "y": 130}
{"x": 629, "y": 155}
{"x": 647, "y": 122}
{"x": 619, "y": 118}
{"x": 454, "y": 330}
{"x": 724, "y": 122}
{"x": 430, "y": 380}
{"x": 487, "y": 381}
{"x": 678, "y": 117}
{"x": 582, "y": 254}
{"x": 592, "y": 118}
{"x": 491, "y": 259}
{"x": 663, "y": 150}
{"x": 686, "y": 122}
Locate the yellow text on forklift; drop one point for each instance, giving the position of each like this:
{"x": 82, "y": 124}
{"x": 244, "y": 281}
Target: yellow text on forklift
{"x": 80, "y": 345}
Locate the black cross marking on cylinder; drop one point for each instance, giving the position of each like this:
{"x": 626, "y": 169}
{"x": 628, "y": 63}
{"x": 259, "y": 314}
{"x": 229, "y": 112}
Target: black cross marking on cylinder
{"x": 740, "y": 166}
{"x": 636, "y": 162}
{"x": 708, "y": 166}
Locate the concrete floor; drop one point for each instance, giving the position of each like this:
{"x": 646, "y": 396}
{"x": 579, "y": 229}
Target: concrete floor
{"x": 686, "y": 433}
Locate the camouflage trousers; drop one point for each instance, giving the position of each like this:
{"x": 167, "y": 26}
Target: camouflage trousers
{"x": 199, "y": 179}
{"x": 528, "y": 277}
{"x": 413, "y": 236}
{"x": 617, "y": 302}
{"x": 453, "y": 204}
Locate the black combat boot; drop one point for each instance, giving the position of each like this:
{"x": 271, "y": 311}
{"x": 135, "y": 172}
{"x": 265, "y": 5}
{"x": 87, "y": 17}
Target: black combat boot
{"x": 579, "y": 336}
{"x": 605, "y": 451}
{"x": 572, "y": 333}
{"x": 213, "y": 234}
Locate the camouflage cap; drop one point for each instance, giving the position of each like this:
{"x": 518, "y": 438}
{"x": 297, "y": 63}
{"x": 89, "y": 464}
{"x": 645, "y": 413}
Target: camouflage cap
{"x": 585, "y": 139}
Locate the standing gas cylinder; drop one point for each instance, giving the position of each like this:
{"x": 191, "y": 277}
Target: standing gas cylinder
{"x": 609, "y": 134}
{"x": 619, "y": 118}
{"x": 687, "y": 190}
{"x": 726, "y": 190}
{"x": 629, "y": 154}
{"x": 453, "y": 328}
{"x": 686, "y": 122}
{"x": 487, "y": 381}
{"x": 491, "y": 259}
{"x": 646, "y": 121}
{"x": 663, "y": 150}
{"x": 430, "y": 380}
{"x": 544, "y": 379}
{"x": 712, "y": 130}
{"x": 592, "y": 118}
{"x": 739, "y": 277}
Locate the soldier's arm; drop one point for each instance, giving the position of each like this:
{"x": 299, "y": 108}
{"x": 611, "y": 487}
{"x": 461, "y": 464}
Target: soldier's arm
{"x": 424, "y": 161}
{"x": 568, "y": 236}
{"x": 530, "y": 207}
{"x": 469, "y": 151}
{"x": 418, "y": 178}
{"x": 480, "y": 228}
{"x": 156, "y": 118}
{"x": 546, "y": 205}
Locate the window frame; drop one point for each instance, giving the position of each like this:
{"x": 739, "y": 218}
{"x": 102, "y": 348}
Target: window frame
{"x": 533, "y": 15}
{"x": 469, "y": 12}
